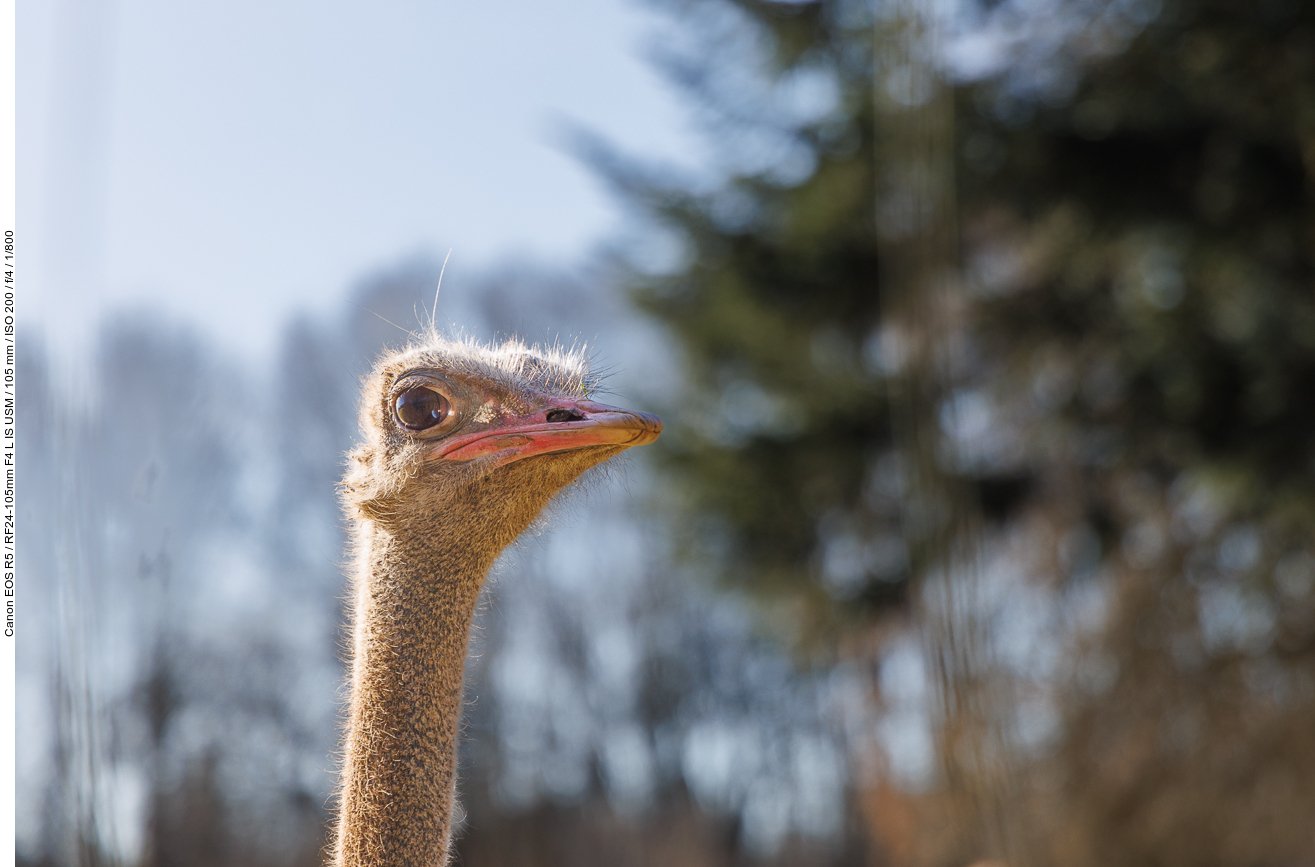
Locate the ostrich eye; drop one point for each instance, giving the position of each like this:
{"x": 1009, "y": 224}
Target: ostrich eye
{"x": 420, "y": 408}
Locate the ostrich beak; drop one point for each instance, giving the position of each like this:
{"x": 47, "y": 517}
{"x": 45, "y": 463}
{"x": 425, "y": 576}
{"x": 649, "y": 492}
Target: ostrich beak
{"x": 559, "y": 426}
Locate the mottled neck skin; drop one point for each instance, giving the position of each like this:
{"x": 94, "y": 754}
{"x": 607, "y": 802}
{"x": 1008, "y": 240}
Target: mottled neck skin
{"x": 415, "y": 595}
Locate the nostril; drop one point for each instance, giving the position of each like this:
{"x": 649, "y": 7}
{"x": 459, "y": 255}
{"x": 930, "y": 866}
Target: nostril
{"x": 560, "y": 415}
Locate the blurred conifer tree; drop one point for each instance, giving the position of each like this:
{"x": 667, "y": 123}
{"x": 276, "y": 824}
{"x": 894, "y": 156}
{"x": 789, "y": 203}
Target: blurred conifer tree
{"x": 1136, "y": 220}
{"x": 1136, "y": 303}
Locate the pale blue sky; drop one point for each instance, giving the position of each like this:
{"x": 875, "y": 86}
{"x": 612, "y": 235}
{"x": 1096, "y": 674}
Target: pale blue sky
{"x": 232, "y": 162}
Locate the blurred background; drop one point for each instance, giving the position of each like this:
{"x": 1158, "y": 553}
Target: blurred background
{"x": 983, "y": 330}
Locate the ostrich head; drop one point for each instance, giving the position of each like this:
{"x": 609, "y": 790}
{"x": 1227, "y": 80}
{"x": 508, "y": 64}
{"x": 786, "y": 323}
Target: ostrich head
{"x": 475, "y": 440}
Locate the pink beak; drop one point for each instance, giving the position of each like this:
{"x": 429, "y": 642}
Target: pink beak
{"x": 559, "y": 427}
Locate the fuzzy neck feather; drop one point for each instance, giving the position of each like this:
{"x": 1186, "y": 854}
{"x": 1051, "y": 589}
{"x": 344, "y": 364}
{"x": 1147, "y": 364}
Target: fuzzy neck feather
{"x": 415, "y": 597}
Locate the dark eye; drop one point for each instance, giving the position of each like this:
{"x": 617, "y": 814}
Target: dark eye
{"x": 420, "y": 408}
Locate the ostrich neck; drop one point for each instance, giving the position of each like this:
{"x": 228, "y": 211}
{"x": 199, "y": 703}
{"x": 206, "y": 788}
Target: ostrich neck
{"x": 415, "y": 596}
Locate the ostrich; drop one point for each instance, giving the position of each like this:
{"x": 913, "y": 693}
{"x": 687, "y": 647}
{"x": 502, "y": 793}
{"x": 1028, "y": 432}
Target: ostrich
{"x": 463, "y": 447}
